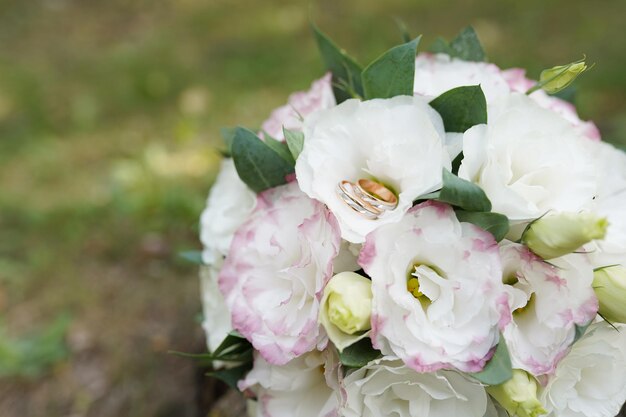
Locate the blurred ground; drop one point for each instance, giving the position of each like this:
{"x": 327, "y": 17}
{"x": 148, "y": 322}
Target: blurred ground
{"x": 109, "y": 113}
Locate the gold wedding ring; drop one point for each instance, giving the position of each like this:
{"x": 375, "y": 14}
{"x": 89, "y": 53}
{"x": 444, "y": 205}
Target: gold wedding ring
{"x": 368, "y": 198}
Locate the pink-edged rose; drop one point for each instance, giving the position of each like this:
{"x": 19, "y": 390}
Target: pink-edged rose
{"x": 548, "y": 300}
{"x": 299, "y": 105}
{"x": 274, "y": 275}
{"x": 438, "y": 297}
{"x": 307, "y": 386}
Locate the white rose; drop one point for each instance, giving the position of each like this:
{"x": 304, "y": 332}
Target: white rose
{"x": 610, "y": 203}
{"x": 216, "y": 322}
{"x": 304, "y": 387}
{"x": 438, "y": 73}
{"x": 229, "y": 204}
{"x": 398, "y": 142}
{"x": 548, "y": 300}
{"x": 299, "y": 105}
{"x": 437, "y": 286}
{"x": 528, "y": 160}
{"x": 274, "y": 276}
{"x": 386, "y": 387}
{"x": 591, "y": 380}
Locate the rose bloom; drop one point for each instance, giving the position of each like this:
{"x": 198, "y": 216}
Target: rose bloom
{"x": 306, "y": 386}
{"x": 386, "y": 387}
{"x": 398, "y": 142}
{"x": 529, "y": 161}
{"x": 216, "y": 317}
{"x": 591, "y": 380}
{"x": 438, "y": 297}
{"x": 610, "y": 203}
{"x": 548, "y": 300}
{"x": 299, "y": 105}
{"x": 229, "y": 204}
{"x": 274, "y": 275}
{"x": 437, "y": 73}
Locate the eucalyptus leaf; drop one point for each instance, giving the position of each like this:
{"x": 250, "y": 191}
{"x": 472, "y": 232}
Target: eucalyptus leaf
{"x": 467, "y": 47}
{"x": 495, "y": 223}
{"x": 228, "y": 135}
{"x": 295, "y": 142}
{"x": 580, "y": 330}
{"x": 346, "y": 71}
{"x": 460, "y": 193}
{"x": 461, "y": 108}
{"x": 359, "y": 354}
{"x": 192, "y": 256}
{"x": 393, "y": 73}
{"x": 280, "y": 148}
{"x": 441, "y": 46}
{"x": 232, "y": 376}
{"x": 258, "y": 165}
{"x": 499, "y": 368}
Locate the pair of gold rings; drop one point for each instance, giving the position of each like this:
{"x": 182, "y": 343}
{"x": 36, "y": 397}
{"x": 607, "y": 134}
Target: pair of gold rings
{"x": 368, "y": 198}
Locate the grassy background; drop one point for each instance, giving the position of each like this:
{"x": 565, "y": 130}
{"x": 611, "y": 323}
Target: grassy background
{"x": 109, "y": 115}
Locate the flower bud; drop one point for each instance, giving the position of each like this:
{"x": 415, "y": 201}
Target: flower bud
{"x": 556, "y": 235}
{"x": 610, "y": 286}
{"x": 557, "y": 78}
{"x": 518, "y": 395}
{"x": 346, "y": 308}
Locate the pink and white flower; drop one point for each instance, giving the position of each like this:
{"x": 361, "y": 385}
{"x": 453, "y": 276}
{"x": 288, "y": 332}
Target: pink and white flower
{"x": 386, "y": 387}
{"x": 228, "y": 205}
{"x": 437, "y": 73}
{"x": 516, "y": 78}
{"x": 591, "y": 380}
{"x": 453, "y": 319}
{"x": 307, "y": 386}
{"x": 548, "y": 300}
{"x": 274, "y": 275}
{"x": 299, "y": 105}
{"x": 398, "y": 142}
{"x": 529, "y": 161}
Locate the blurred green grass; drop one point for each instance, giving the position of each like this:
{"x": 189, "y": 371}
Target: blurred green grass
{"x": 109, "y": 115}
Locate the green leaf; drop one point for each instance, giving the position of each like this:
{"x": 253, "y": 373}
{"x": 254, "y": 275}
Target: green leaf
{"x": 295, "y": 142}
{"x": 441, "y": 46}
{"x": 257, "y": 164}
{"x": 580, "y": 330}
{"x": 461, "y": 108}
{"x": 232, "y": 375}
{"x": 456, "y": 163}
{"x": 234, "y": 348}
{"x": 228, "y": 135}
{"x": 467, "y": 47}
{"x": 499, "y": 369}
{"x": 404, "y": 30}
{"x": 460, "y": 193}
{"x": 280, "y": 148}
{"x": 495, "y": 223}
{"x": 359, "y": 354}
{"x": 346, "y": 71}
{"x": 393, "y": 73}
{"x": 193, "y": 256}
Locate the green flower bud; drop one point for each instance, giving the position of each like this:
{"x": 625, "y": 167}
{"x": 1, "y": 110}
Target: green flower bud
{"x": 610, "y": 286}
{"x": 346, "y": 308}
{"x": 559, "y": 234}
{"x": 518, "y": 395}
{"x": 557, "y": 78}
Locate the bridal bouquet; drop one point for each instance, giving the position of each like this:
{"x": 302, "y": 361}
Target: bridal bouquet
{"x": 429, "y": 235}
